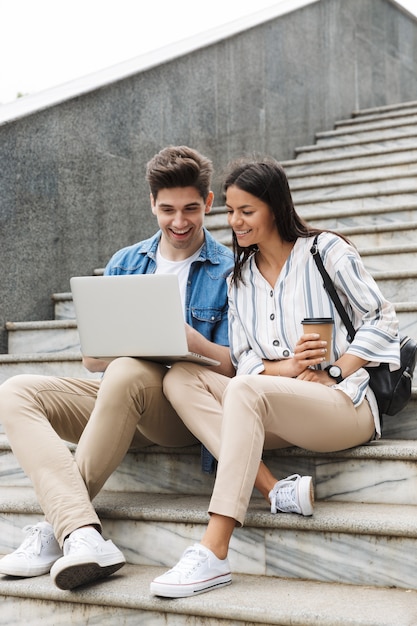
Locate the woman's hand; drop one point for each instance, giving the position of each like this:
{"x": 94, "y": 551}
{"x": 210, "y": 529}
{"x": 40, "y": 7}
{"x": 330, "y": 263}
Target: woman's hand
{"x": 309, "y": 351}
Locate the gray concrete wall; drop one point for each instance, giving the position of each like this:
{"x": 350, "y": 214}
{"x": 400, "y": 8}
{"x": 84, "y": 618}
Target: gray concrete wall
{"x": 72, "y": 176}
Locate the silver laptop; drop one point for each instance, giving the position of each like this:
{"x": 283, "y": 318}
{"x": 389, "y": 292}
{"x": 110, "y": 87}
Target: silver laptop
{"x": 133, "y": 315}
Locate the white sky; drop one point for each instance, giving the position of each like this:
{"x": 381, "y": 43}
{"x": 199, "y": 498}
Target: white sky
{"x": 44, "y": 43}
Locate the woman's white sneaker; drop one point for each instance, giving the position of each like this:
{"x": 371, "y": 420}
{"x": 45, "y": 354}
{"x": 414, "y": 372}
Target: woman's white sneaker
{"x": 36, "y": 554}
{"x": 294, "y": 494}
{"x": 198, "y": 570}
{"x": 87, "y": 557}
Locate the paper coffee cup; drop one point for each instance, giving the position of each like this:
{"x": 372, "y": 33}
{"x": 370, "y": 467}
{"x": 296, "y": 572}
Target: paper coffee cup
{"x": 321, "y": 325}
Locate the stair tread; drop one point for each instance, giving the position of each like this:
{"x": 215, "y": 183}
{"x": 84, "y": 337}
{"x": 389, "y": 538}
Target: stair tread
{"x": 250, "y": 599}
{"x": 397, "y": 520}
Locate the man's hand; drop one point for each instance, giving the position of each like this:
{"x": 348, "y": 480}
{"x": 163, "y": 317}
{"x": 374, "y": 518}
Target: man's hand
{"x": 95, "y": 365}
{"x": 199, "y": 344}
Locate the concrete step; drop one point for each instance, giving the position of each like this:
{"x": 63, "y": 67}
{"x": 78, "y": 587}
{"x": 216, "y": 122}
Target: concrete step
{"x": 342, "y": 537}
{"x": 124, "y": 599}
{"x": 381, "y": 472}
{"x": 361, "y": 158}
{"x": 397, "y": 284}
{"x": 388, "y": 116}
{"x": 362, "y": 134}
{"x": 368, "y": 175}
{"x": 363, "y": 124}
{"x": 353, "y": 147}
{"x": 387, "y": 109}
{"x": 50, "y": 336}
{"x": 63, "y": 306}
{"x": 382, "y": 234}
{"x": 333, "y": 218}
{"x": 58, "y": 364}
{"x": 393, "y": 193}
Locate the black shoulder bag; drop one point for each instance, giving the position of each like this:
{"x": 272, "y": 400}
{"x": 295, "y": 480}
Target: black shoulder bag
{"x": 392, "y": 389}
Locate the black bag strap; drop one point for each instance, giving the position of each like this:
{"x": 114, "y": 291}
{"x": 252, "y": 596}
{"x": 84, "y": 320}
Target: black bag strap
{"x": 328, "y": 284}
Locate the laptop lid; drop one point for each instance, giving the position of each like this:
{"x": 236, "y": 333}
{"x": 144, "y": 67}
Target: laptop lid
{"x": 137, "y": 315}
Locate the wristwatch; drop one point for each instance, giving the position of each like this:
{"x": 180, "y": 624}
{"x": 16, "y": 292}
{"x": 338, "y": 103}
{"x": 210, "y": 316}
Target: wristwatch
{"x": 334, "y": 372}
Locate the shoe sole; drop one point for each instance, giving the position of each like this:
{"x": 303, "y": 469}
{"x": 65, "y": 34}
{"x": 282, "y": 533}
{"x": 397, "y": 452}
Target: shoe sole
{"x": 185, "y": 591}
{"x": 67, "y": 576}
{"x": 306, "y": 495}
{"x": 27, "y": 572}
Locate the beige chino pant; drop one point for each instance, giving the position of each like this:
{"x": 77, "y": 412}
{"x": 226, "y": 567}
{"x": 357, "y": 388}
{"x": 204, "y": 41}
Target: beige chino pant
{"x": 236, "y": 419}
{"x": 125, "y": 409}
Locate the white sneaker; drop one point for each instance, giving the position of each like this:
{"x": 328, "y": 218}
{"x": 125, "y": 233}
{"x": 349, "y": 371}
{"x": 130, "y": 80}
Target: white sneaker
{"x": 198, "y": 570}
{"x": 87, "y": 557}
{"x": 294, "y": 494}
{"x": 35, "y": 556}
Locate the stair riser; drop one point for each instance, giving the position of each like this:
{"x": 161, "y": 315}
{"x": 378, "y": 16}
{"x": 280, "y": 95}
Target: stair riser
{"x": 64, "y": 310}
{"x": 378, "y": 122}
{"x": 320, "y": 556}
{"x": 391, "y": 262}
{"x": 353, "y": 162}
{"x": 16, "y": 612}
{"x": 325, "y": 218}
{"x": 43, "y": 340}
{"x": 73, "y": 369}
{"x": 289, "y": 553}
{"x": 170, "y": 472}
{"x": 370, "y": 176}
{"x": 343, "y": 150}
{"x": 374, "y": 239}
{"x": 398, "y": 290}
{"x": 366, "y": 134}
{"x": 391, "y": 114}
{"x": 355, "y": 190}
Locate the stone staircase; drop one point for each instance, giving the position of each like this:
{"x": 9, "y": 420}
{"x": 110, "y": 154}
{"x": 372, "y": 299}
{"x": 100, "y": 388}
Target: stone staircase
{"x": 354, "y": 561}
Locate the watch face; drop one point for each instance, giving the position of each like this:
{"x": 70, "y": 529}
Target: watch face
{"x": 335, "y": 371}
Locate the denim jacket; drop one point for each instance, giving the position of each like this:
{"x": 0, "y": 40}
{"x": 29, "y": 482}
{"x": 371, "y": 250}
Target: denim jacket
{"x": 206, "y": 294}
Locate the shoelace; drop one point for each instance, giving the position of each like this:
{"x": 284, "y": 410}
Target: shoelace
{"x": 284, "y": 498}
{"x": 32, "y": 545}
{"x": 190, "y": 561}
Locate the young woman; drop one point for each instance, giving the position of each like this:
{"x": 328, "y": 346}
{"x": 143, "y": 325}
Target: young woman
{"x": 283, "y": 394}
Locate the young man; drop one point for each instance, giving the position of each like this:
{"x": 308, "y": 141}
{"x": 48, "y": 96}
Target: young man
{"x": 127, "y": 406}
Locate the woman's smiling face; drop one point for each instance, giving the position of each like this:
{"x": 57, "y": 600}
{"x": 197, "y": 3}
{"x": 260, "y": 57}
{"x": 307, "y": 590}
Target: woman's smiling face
{"x": 250, "y": 218}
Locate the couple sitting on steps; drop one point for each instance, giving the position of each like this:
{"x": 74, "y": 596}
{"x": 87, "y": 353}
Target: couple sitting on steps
{"x": 273, "y": 388}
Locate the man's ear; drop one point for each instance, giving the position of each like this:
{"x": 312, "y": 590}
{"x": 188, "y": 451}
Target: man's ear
{"x": 209, "y": 202}
{"x": 153, "y": 206}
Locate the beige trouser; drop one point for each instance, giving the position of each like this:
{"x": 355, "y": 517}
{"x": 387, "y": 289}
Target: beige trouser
{"x": 236, "y": 419}
{"x": 125, "y": 409}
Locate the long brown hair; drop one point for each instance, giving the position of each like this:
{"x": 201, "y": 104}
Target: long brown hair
{"x": 265, "y": 179}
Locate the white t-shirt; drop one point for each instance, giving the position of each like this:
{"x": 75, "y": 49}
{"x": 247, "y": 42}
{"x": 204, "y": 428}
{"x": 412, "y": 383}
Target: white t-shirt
{"x": 180, "y": 268}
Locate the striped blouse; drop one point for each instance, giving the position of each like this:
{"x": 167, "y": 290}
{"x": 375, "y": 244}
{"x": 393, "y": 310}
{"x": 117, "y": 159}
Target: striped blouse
{"x": 265, "y": 321}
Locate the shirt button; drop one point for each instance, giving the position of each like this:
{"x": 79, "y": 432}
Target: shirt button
{"x": 275, "y": 342}
{"x": 272, "y": 316}
{"x": 271, "y": 293}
